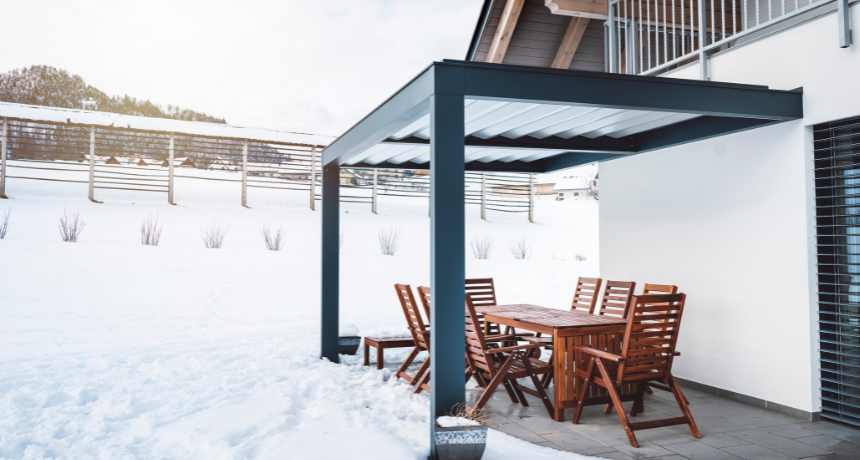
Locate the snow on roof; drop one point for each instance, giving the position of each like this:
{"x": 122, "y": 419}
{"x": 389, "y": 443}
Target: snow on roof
{"x": 572, "y": 183}
{"x": 89, "y": 117}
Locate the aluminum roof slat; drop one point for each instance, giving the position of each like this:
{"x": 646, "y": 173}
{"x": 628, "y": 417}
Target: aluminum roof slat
{"x": 499, "y": 153}
{"x": 473, "y": 109}
{"x": 537, "y": 125}
{"x": 676, "y": 118}
{"x": 376, "y": 149}
{"x": 528, "y": 153}
{"x": 475, "y": 153}
{"x": 583, "y": 119}
{"x": 410, "y": 155}
{"x": 498, "y": 115}
{"x": 382, "y": 156}
{"x": 537, "y": 113}
{"x": 597, "y": 124}
{"x": 635, "y": 121}
{"x": 413, "y": 127}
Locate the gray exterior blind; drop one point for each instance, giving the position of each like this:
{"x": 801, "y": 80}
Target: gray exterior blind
{"x": 837, "y": 194}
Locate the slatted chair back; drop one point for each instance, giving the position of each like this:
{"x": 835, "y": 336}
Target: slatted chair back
{"x": 476, "y": 344}
{"x": 659, "y": 289}
{"x": 650, "y": 338}
{"x": 586, "y": 295}
{"x": 616, "y": 298}
{"x": 424, "y": 295}
{"x": 483, "y": 293}
{"x": 413, "y": 316}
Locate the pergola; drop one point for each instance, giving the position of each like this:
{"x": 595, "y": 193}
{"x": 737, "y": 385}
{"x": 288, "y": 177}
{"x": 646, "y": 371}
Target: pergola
{"x": 458, "y": 116}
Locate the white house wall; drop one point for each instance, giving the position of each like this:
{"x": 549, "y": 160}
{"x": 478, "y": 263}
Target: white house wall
{"x": 731, "y": 222}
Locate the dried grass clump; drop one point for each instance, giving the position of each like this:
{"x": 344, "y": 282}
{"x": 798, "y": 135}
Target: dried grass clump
{"x": 71, "y": 226}
{"x": 213, "y": 235}
{"x": 150, "y": 231}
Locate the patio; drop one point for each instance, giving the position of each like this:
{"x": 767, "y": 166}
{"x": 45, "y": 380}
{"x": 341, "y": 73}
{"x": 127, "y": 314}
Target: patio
{"x": 730, "y": 430}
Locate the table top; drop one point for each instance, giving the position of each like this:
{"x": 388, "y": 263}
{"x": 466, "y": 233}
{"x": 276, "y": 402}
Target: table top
{"x": 547, "y": 317}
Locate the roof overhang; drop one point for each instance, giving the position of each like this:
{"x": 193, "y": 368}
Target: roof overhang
{"x": 529, "y": 119}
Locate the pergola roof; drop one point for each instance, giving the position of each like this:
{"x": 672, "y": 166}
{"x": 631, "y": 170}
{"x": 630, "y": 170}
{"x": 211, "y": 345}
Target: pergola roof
{"x": 531, "y": 119}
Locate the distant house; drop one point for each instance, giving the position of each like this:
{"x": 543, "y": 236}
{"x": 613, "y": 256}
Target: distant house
{"x": 112, "y": 161}
{"x": 183, "y": 161}
{"x": 222, "y": 165}
{"x": 141, "y": 162}
{"x": 573, "y": 188}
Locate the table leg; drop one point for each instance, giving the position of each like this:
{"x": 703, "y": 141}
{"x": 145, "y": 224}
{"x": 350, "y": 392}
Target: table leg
{"x": 380, "y": 361}
{"x": 559, "y": 377}
{"x": 366, "y": 354}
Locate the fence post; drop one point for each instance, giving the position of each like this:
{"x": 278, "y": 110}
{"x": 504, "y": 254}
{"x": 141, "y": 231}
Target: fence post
{"x": 245, "y": 174}
{"x": 532, "y": 198}
{"x": 92, "y": 163}
{"x": 170, "y": 155}
{"x": 5, "y": 122}
{"x": 313, "y": 176}
{"x": 484, "y": 196}
{"x": 373, "y": 200}
{"x": 703, "y": 39}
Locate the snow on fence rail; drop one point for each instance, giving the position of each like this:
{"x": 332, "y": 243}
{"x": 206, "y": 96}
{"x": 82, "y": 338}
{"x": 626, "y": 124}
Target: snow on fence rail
{"x": 106, "y": 157}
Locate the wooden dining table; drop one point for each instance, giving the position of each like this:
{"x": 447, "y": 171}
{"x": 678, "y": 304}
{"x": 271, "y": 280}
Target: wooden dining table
{"x": 568, "y": 329}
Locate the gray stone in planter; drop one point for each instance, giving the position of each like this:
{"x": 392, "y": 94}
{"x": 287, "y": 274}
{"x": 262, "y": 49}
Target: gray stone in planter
{"x": 461, "y": 443}
{"x": 348, "y": 345}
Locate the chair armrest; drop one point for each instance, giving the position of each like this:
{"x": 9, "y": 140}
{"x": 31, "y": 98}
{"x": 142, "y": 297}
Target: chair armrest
{"x": 500, "y": 338}
{"x": 510, "y": 349}
{"x": 600, "y": 354}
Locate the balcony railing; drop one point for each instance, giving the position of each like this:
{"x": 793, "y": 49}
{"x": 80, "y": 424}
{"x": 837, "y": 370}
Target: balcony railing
{"x": 649, "y": 37}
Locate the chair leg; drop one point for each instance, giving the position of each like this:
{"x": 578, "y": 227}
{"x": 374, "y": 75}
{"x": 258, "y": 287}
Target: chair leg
{"x": 679, "y": 397}
{"x": 493, "y": 384}
{"x": 539, "y": 387}
{"x": 401, "y": 371}
{"x": 580, "y": 394}
{"x": 423, "y": 384}
{"x": 421, "y": 370}
{"x": 520, "y": 395}
{"x": 510, "y": 391}
{"x": 546, "y": 379}
{"x": 616, "y": 400}
{"x": 639, "y": 402}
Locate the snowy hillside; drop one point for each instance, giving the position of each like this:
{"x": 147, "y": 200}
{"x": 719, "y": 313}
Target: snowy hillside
{"x": 111, "y": 349}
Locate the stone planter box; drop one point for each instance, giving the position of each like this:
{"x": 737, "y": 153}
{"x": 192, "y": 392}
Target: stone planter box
{"x": 348, "y": 345}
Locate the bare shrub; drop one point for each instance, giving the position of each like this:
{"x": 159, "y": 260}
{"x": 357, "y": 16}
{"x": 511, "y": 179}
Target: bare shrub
{"x": 521, "y": 249}
{"x": 71, "y": 226}
{"x": 213, "y": 235}
{"x": 150, "y": 231}
{"x": 580, "y": 257}
{"x": 470, "y": 416}
{"x": 274, "y": 239}
{"x": 389, "y": 241}
{"x": 4, "y": 222}
{"x": 482, "y": 247}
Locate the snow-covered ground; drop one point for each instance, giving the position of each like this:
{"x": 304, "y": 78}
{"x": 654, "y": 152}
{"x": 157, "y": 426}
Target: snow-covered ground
{"x": 110, "y": 349}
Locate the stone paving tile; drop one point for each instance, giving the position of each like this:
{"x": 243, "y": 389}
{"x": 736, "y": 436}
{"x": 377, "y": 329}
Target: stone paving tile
{"x": 645, "y": 450}
{"x": 832, "y": 444}
{"x": 778, "y": 443}
{"x": 579, "y": 444}
{"x": 673, "y": 441}
{"x": 606, "y": 434}
{"x": 831, "y": 429}
{"x": 756, "y": 452}
{"x": 722, "y": 440}
{"x": 833, "y": 457}
{"x": 699, "y": 451}
{"x": 518, "y": 431}
{"x": 709, "y": 424}
{"x": 790, "y": 431}
{"x": 541, "y": 425}
{"x": 616, "y": 456}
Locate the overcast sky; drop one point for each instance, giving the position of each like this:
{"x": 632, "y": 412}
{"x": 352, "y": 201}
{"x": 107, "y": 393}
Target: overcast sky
{"x": 296, "y": 65}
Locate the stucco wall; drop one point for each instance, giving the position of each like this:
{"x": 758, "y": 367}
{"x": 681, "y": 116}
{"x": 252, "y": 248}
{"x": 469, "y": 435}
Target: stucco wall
{"x": 731, "y": 222}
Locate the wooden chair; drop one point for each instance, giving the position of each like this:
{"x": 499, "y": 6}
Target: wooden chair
{"x": 504, "y": 365}
{"x": 646, "y": 356}
{"x": 424, "y": 295}
{"x": 483, "y": 293}
{"x": 584, "y": 299}
{"x": 616, "y": 298}
{"x": 420, "y": 334}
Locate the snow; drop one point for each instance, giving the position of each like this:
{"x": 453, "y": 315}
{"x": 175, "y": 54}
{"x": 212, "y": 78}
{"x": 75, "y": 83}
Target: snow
{"x": 110, "y": 349}
{"x": 39, "y": 113}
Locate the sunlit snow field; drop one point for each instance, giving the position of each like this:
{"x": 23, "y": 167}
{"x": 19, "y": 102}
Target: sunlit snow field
{"x": 110, "y": 349}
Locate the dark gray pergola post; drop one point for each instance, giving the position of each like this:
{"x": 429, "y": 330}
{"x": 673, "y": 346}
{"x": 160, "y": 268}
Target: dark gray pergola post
{"x": 447, "y": 256}
{"x": 330, "y": 271}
